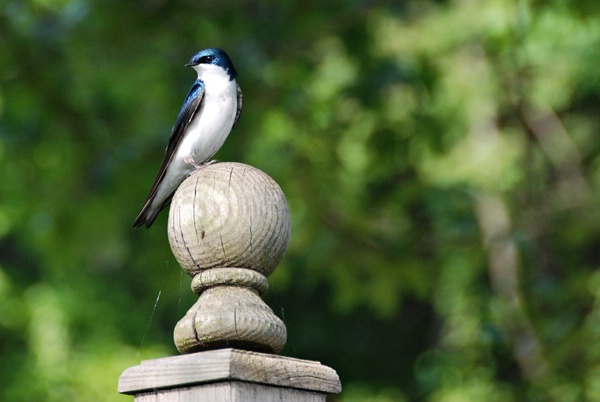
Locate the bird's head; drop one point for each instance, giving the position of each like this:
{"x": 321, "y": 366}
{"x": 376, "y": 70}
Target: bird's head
{"x": 209, "y": 58}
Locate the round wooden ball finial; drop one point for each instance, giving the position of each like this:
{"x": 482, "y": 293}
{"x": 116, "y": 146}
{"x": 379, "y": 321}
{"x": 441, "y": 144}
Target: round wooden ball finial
{"x": 229, "y": 228}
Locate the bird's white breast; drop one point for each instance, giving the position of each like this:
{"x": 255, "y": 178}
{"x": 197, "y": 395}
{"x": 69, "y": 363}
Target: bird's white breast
{"x": 208, "y": 129}
{"x": 213, "y": 122}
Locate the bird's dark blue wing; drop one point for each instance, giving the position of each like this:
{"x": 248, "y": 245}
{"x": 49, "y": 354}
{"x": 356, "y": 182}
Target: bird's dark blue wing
{"x": 186, "y": 114}
{"x": 240, "y": 97}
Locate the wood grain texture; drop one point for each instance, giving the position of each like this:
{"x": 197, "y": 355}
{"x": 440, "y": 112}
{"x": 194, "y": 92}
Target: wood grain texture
{"x": 229, "y": 215}
{"x": 230, "y": 277}
{"x": 229, "y": 365}
{"x": 230, "y": 313}
{"x": 233, "y": 391}
{"x": 229, "y": 227}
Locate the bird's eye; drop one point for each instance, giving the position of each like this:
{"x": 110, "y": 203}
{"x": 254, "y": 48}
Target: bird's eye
{"x": 206, "y": 59}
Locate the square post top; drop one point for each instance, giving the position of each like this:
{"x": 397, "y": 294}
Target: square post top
{"x": 228, "y": 365}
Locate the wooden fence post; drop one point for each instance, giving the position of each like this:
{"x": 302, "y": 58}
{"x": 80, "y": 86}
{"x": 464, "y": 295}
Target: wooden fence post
{"x": 229, "y": 228}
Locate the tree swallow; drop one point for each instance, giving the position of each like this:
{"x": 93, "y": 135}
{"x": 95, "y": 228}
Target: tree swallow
{"x": 209, "y": 112}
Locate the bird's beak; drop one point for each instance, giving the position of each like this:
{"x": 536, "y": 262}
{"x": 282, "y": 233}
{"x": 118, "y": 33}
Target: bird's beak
{"x": 191, "y": 64}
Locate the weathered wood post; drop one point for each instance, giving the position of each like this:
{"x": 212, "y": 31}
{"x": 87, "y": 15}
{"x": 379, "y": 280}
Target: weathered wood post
{"x": 229, "y": 228}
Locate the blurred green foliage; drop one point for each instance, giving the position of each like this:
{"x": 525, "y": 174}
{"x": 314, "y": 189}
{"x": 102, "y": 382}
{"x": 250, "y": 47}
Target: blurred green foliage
{"x": 440, "y": 159}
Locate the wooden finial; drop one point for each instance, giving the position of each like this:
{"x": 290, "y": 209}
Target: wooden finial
{"x": 229, "y": 228}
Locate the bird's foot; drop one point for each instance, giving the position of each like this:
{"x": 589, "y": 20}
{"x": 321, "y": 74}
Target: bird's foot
{"x": 203, "y": 165}
{"x": 190, "y": 161}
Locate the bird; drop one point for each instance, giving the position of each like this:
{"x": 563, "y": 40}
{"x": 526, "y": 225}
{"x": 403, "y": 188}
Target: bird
{"x": 210, "y": 110}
